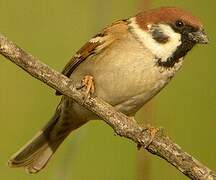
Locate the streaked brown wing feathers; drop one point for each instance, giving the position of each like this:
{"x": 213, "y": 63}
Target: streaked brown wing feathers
{"x": 87, "y": 50}
{"x": 98, "y": 43}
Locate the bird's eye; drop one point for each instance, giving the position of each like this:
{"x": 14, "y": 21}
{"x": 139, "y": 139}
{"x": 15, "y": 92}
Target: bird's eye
{"x": 179, "y": 24}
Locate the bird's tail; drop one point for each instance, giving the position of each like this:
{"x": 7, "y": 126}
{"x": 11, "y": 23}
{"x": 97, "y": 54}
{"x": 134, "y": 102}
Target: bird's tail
{"x": 35, "y": 154}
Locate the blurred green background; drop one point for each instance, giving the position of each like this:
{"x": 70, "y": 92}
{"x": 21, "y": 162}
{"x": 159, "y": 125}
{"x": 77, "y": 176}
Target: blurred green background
{"x": 53, "y": 31}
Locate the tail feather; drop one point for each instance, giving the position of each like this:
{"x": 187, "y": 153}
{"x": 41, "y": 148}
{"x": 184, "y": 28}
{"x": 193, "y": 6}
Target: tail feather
{"x": 35, "y": 154}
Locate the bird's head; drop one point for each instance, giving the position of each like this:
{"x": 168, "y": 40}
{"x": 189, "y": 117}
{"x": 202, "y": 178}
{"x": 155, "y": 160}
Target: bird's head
{"x": 168, "y": 32}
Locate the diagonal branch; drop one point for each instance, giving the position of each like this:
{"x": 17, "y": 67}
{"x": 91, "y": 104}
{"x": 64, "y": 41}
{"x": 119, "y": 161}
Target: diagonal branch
{"x": 161, "y": 145}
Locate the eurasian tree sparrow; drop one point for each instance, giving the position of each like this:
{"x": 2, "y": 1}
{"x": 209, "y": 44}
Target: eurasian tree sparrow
{"x": 129, "y": 61}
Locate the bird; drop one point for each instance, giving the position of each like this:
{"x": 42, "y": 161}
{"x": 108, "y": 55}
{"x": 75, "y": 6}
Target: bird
{"x": 126, "y": 64}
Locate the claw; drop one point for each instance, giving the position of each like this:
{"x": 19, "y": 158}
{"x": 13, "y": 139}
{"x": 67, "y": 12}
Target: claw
{"x": 152, "y": 131}
{"x": 88, "y": 85}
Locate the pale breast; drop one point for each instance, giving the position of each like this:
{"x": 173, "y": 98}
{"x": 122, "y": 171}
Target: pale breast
{"x": 126, "y": 77}
{"x": 158, "y": 78}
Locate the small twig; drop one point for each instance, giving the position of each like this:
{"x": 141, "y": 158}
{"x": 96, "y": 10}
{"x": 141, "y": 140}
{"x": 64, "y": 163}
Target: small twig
{"x": 161, "y": 145}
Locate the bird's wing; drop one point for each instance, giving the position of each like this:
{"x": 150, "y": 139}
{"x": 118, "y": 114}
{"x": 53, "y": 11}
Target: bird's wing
{"x": 96, "y": 45}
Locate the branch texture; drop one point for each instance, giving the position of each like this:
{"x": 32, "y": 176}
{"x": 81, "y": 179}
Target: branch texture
{"x": 161, "y": 145}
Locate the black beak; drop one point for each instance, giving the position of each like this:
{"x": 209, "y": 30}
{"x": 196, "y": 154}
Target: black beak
{"x": 199, "y": 37}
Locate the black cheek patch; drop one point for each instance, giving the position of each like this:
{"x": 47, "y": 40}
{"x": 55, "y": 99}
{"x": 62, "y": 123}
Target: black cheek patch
{"x": 159, "y": 36}
{"x": 182, "y": 50}
{"x": 185, "y": 46}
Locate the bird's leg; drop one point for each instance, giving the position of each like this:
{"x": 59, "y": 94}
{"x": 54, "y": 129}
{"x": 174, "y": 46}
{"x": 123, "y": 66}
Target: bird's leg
{"x": 87, "y": 85}
{"x": 152, "y": 131}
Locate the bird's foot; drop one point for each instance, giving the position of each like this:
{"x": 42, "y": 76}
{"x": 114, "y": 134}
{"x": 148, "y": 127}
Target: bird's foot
{"x": 152, "y": 132}
{"x": 88, "y": 86}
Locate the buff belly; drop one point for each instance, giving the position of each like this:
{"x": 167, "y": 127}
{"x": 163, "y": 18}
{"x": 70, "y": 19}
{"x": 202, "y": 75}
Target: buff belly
{"x": 125, "y": 80}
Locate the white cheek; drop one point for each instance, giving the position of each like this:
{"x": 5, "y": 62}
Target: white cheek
{"x": 162, "y": 51}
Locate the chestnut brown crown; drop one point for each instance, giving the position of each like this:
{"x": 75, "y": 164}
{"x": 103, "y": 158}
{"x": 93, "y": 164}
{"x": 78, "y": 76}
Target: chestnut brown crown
{"x": 167, "y": 15}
